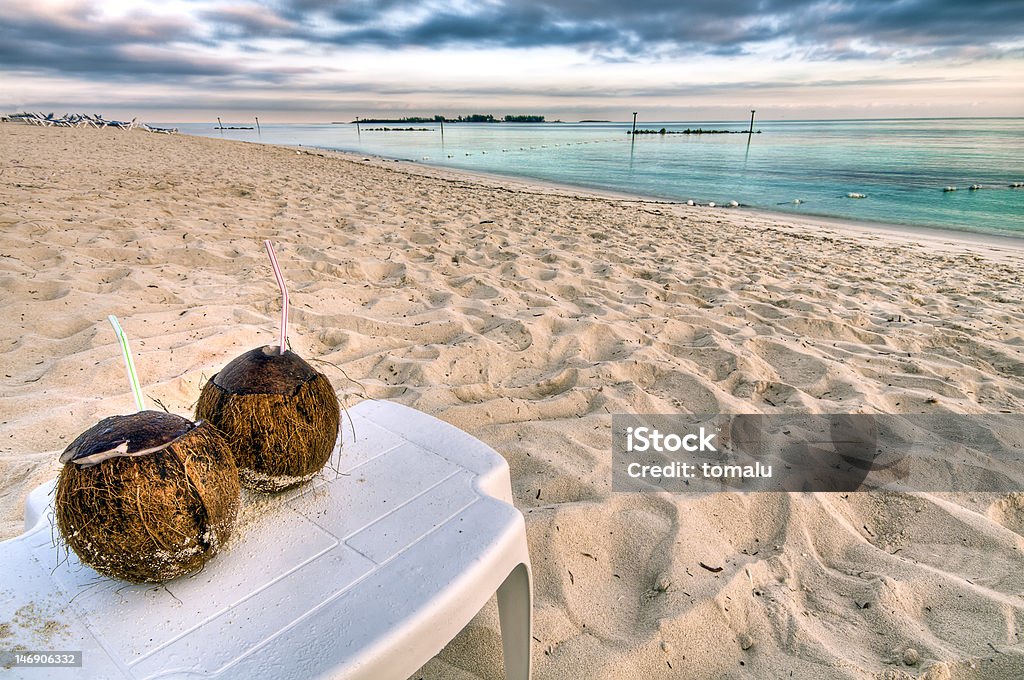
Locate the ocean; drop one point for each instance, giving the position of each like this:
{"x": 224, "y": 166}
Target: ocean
{"x": 900, "y": 166}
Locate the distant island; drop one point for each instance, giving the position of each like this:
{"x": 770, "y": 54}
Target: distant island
{"x": 408, "y": 120}
{"x": 471, "y": 118}
{"x": 595, "y": 121}
{"x": 689, "y": 131}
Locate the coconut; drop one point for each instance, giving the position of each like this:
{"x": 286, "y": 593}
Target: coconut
{"x": 280, "y": 416}
{"x": 147, "y": 497}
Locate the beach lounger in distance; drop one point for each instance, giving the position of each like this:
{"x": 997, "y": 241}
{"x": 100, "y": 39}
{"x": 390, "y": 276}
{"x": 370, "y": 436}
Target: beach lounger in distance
{"x": 365, "y": 573}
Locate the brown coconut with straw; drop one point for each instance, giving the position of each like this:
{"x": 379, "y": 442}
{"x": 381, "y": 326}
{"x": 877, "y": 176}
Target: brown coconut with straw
{"x": 279, "y": 415}
{"x": 146, "y": 497}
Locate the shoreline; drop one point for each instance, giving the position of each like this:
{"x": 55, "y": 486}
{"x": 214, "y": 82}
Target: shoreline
{"x": 936, "y": 237}
{"x": 928, "y": 218}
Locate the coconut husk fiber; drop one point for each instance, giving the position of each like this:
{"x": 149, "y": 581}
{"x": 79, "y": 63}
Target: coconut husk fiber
{"x": 147, "y": 497}
{"x": 279, "y": 415}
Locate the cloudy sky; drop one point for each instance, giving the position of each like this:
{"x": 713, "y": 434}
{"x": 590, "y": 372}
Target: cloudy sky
{"x": 316, "y": 60}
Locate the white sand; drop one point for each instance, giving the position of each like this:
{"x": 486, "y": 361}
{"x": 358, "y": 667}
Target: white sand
{"x": 526, "y": 315}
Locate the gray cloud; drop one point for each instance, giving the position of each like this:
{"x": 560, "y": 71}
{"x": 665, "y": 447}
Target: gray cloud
{"x": 78, "y": 25}
{"x": 138, "y": 46}
{"x": 248, "y": 20}
{"x": 76, "y": 40}
{"x": 720, "y": 27}
{"x": 80, "y": 40}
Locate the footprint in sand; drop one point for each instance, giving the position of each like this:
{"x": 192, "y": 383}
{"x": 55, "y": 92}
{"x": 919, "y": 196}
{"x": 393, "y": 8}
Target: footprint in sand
{"x": 509, "y": 333}
{"x": 475, "y": 393}
{"x": 793, "y": 367}
{"x": 560, "y": 382}
{"x": 377, "y": 271}
{"x": 472, "y": 287}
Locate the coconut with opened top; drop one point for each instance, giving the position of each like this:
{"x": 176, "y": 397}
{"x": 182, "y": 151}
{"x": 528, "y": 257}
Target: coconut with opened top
{"x": 280, "y": 416}
{"x": 149, "y": 496}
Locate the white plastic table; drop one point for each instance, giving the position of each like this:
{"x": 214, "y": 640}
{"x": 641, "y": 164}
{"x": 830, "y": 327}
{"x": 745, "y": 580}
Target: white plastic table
{"x": 363, "y": 574}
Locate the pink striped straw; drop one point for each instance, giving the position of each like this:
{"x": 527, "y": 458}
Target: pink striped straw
{"x": 284, "y": 294}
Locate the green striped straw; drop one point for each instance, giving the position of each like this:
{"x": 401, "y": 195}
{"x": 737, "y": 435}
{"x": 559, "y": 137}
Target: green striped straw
{"x": 129, "y": 363}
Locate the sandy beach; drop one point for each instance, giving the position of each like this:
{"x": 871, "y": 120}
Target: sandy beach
{"x": 527, "y": 315}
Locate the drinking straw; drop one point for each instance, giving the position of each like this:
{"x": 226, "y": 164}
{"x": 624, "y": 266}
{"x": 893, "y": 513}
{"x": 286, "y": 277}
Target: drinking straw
{"x": 284, "y": 294}
{"x": 129, "y": 363}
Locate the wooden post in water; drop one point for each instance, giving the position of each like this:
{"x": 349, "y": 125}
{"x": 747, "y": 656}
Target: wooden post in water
{"x": 220, "y": 125}
{"x": 751, "y": 130}
{"x": 634, "y": 125}
{"x": 258, "y": 131}
{"x": 442, "y": 127}
{"x": 358, "y": 131}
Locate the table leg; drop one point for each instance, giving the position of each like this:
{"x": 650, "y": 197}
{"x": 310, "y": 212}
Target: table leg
{"x": 516, "y": 617}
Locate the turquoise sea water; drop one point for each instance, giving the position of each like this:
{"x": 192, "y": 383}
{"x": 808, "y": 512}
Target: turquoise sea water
{"x": 901, "y": 166}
